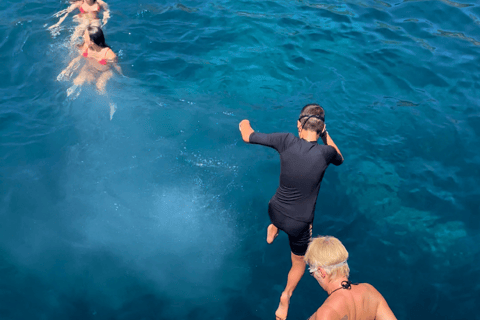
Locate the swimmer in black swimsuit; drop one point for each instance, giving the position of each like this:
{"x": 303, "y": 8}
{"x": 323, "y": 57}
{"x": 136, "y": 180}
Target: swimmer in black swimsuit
{"x": 303, "y": 164}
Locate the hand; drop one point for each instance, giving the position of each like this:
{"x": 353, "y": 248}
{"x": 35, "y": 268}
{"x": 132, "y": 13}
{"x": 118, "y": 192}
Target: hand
{"x": 61, "y": 76}
{"x": 59, "y": 13}
{"x": 324, "y": 132}
{"x": 64, "y": 75}
{"x": 243, "y": 123}
{"x": 245, "y": 129}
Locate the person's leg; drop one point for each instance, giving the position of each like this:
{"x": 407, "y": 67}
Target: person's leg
{"x": 79, "y": 31}
{"x": 276, "y": 223}
{"x": 82, "y": 76}
{"x": 298, "y": 245}
{"x": 272, "y": 233}
{"x": 294, "y": 276}
{"x": 102, "y": 81}
{"x": 74, "y": 90}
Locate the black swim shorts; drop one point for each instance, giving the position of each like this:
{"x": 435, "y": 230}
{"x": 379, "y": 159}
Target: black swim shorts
{"x": 299, "y": 233}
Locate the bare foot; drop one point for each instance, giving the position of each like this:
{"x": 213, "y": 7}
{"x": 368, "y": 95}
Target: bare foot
{"x": 272, "y": 233}
{"x": 282, "y": 311}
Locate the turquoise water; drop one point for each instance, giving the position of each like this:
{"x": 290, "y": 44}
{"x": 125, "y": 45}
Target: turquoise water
{"x": 161, "y": 213}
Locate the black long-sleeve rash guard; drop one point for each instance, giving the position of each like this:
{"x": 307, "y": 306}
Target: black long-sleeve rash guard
{"x": 302, "y": 166}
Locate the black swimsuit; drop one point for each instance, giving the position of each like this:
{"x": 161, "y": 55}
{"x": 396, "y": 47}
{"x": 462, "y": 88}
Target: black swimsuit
{"x": 344, "y": 285}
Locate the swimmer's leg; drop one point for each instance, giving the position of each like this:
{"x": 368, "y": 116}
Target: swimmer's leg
{"x": 78, "y": 82}
{"x": 82, "y": 76}
{"x": 95, "y": 23}
{"x": 73, "y": 92}
{"x": 272, "y": 233}
{"x": 294, "y": 276}
{"x": 102, "y": 81}
{"x": 78, "y": 32}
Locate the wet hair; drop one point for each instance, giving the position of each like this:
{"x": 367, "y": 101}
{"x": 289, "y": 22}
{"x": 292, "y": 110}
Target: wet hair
{"x": 96, "y": 35}
{"x": 330, "y": 254}
{"x": 312, "y": 123}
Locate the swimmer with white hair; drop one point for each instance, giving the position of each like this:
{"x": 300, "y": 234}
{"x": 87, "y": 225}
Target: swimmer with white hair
{"x": 327, "y": 260}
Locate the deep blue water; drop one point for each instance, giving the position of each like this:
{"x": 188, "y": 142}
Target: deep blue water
{"x": 161, "y": 212}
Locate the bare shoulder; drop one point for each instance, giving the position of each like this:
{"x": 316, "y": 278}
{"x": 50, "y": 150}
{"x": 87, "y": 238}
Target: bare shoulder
{"x": 383, "y": 310}
{"x": 328, "y": 312}
{"x": 110, "y": 55}
{"x": 102, "y": 3}
{"x": 369, "y": 292}
{"x": 369, "y": 289}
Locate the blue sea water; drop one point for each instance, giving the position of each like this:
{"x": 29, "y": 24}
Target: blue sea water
{"x": 161, "y": 212}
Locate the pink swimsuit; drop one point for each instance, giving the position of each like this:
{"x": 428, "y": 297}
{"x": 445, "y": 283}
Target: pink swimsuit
{"x": 102, "y": 61}
{"x": 83, "y": 11}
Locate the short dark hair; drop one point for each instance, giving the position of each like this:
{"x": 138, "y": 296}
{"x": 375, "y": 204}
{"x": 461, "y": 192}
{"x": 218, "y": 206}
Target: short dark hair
{"x": 312, "y": 123}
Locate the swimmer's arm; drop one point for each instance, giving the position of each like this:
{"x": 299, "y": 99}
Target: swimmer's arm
{"x": 246, "y": 130}
{"x": 383, "y": 310}
{"x": 106, "y": 12}
{"x": 117, "y": 67}
{"x": 73, "y": 62}
{"x": 112, "y": 58}
{"x": 327, "y": 140}
{"x": 68, "y": 10}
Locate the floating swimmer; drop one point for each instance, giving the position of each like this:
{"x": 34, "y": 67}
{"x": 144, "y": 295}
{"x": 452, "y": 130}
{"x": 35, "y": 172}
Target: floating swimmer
{"x": 99, "y": 58}
{"x": 327, "y": 258}
{"x": 88, "y": 16}
{"x": 303, "y": 164}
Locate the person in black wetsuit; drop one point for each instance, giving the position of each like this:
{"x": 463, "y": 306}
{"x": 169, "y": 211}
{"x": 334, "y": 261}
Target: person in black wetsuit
{"x": 303, "y": 164}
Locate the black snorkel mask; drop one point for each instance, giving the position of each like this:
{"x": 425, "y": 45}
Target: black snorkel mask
{"x": 308, "y": 116}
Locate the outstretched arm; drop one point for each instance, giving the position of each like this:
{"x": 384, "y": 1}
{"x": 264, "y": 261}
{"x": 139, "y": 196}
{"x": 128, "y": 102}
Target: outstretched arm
{"x": 106, "y": 12}
{"x": 66, "y": 11}
{"x": 245, "y": 129}
{"x": 73, "y": 62}
{"x": 67, "y": 72}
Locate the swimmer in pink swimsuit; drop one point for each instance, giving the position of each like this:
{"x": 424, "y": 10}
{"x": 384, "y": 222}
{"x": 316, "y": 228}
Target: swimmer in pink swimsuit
{"x": 99, "y": 59}
{"x": 90, "y": 7}
{"x": 88, "y": 16}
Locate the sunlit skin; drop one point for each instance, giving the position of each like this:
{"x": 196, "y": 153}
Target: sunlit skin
{"x": 298, "y": 264}
{"x": 360, "y": 302}
{"x": 90, "y": 17}
{"x": 92, "y": 70}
